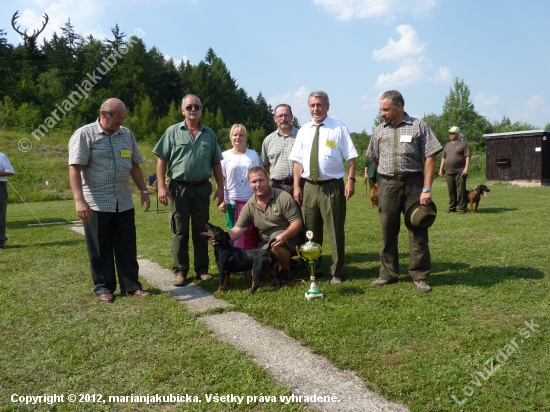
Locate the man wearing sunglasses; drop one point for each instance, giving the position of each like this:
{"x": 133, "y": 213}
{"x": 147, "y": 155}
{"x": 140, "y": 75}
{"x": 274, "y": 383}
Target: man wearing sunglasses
{"x": 188, "y": 153}
{"x": 102, "y": 157}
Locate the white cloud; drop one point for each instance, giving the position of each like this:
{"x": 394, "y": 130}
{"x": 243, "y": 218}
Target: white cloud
{"x": 413, "y": 66}
{"x": 297, "y": 100}
{"x": 177, "y": 62}
{"x": 407, "y": 45}
{"x": 409, "y": 71}
{"x": 348, "y": 9}
{"x": 85, "y": 16}
{"x": 442, "y": 75}
{"x": 482, "y": 100}
{"x": 534, "y": 110}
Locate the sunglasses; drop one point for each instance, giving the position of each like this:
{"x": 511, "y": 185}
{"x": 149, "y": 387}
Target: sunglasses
{"x": 191, "y": 106}
{"x": 117, "y": 118}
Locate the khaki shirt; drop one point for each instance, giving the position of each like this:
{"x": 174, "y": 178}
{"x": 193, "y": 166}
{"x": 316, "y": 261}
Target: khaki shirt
{"x": 280, "y": 212}
{"x": 189, "y": 160}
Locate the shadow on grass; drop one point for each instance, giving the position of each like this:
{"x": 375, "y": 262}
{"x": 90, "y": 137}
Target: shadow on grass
{"x": 24, "y": 224}
{"x": 481, "y": 276}
{"x": 493, "y": 210}
{"x": 46, "y": 244}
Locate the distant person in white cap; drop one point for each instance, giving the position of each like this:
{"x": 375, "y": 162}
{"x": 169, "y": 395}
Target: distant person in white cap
{"x": 456, "y": 158}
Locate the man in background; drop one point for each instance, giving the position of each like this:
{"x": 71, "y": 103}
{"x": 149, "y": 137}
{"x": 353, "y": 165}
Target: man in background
{"x": 456, "y": 159}
{"x": 276, "y": 149}
{"x": 6, "y": 169}
{"x": 102, "y": 157}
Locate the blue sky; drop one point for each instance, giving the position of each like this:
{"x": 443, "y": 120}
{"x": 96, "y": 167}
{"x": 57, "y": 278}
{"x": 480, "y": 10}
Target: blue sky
{"x": 352, "y": 49}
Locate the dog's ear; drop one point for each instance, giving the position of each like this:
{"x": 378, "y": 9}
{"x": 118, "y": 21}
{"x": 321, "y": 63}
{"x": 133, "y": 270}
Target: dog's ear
{"x": 478, "y": 189}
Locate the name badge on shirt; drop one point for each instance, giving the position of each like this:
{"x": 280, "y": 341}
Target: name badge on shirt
{"x": 406, "y": 138}
{"x": 125, "y": 153}
{"x": 331, "y": 144}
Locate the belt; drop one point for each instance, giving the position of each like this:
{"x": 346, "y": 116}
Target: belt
{"x": 284, "y": 181}
{"x": 202, "y": 182}
{"x": 322, "y": 182}
{"x": 403, "y": 177}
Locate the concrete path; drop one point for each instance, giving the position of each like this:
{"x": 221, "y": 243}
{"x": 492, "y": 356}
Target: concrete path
{"x": 308, "y": 375}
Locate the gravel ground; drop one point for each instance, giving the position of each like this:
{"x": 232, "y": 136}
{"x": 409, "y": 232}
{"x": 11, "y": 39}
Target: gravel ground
{"x": 308, "y": 375}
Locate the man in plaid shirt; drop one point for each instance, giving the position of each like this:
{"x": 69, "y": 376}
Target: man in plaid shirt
{"x": 102, "y": 157}
{"x": 405, "y": 149}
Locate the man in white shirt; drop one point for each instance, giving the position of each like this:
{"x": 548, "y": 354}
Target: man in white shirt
{"x": 324, "y": 197}
{"x": 6, "y": 169}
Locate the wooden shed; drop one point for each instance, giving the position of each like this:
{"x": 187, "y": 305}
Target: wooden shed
{"x": 521, "y": 158}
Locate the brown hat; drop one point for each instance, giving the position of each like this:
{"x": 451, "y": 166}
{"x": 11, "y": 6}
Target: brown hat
{"x": 420, "y": 217}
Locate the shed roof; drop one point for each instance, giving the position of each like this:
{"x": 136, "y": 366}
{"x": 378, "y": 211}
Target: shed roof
{"x": 516, "y": 134}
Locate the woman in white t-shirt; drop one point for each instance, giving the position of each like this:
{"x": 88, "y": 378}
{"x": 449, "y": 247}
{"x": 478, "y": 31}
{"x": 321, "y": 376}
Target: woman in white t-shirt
{"x": 236, "y": 163}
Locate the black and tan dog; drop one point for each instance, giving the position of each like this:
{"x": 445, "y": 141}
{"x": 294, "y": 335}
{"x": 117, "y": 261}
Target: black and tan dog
{"x": 232, "y": 259}
{"x": 373, "y": 194}
{"x": 474, "y": 196}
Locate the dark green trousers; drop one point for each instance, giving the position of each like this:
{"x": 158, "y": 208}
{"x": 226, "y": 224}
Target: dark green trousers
{"x": 3, "y": 210}
{"x": 326, "y": 205}
{"x": 456, "y": 184}
{"x": 189, "y": 203}
{"x": 394, "y": 197}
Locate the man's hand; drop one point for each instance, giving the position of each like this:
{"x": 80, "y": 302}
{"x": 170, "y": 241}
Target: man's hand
{"x": 219, "y": 195}
{"x": 425, "y": 198}
{"x": 441, "y": 174}
{"x": 164, "y": 195}
{"x": 298, "y": 195}
{"x": 279, "y": 240}
{"x": 83, "y": 210}
{"x": 145, "y": 199}
{"x": 465, "y": 172}
{"x": 350, "y": 189}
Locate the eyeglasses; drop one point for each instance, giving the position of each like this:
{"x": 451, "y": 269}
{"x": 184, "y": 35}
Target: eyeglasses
{"x": 191, "y": 106}
{"x": 117, "y": 118}
{"x": 282, "y": 116}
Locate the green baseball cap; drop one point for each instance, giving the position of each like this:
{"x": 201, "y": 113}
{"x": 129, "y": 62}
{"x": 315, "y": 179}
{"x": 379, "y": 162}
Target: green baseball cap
{"x": 454, "y": 129}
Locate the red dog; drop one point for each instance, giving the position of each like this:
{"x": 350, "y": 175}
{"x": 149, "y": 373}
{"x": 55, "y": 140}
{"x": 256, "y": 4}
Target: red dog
{"x": 474, "y": 196}
{"x": 373, "y": 194}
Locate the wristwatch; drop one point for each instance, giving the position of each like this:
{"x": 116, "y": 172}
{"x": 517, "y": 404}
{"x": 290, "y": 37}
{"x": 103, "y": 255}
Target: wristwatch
{"x": 426, "y": 189}
{"x": 144, "y": 192}
{"x": 352, "y": 179}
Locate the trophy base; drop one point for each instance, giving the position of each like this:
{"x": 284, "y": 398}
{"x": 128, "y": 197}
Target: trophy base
{"x": 310, "y": 296}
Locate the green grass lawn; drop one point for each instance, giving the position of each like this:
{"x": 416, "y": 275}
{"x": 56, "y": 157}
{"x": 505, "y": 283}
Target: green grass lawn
{"x": 432, "y": 352}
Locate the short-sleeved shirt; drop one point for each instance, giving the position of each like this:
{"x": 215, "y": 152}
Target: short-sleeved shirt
{"x": 275, "y": 151}
{"x": 5, "y": 166}
{"x": 107, "y": 161}
{"x": 235, "y": 169}
{"x": 189, "y": 160}
{"x": 455, "y": 154}
{"x": 335, "y": 144}
{"x": 280, "y": 212}
{"x": 402, "y": 149}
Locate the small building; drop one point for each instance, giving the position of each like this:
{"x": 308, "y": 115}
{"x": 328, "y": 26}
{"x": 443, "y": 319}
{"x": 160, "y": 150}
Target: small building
{"x": 521, "y": 158}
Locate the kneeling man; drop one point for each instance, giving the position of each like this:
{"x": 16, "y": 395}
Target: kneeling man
{"x": 276, "y": 215}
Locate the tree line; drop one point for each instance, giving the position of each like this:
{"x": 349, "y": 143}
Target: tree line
{"x": 60, "y": 84}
